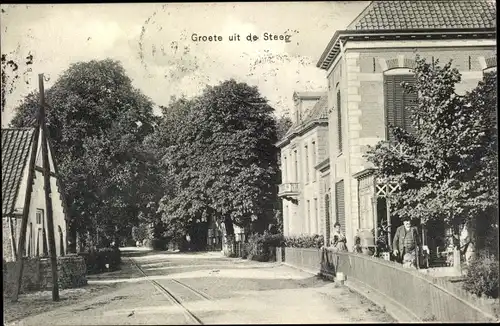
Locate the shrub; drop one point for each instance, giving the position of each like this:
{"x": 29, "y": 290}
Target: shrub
{"x": 96, "y": 260}
{"x": 304, "y": 241}
{"x": 482, "y": 276}
{"x": 261, "y": 247}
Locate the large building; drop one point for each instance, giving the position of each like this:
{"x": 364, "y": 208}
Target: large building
{"x": 302, "y": 148}
{"x": 365, "y": 66}
{"x": 17, "y": 173}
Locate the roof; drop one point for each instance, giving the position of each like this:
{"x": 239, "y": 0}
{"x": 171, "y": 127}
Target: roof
{"x": 16, "y": 144}
{"x": 318, "y": 112}
{"x": 412, "y": 20}
{"x": 308, "y": 95}
{"x": 424, "y": 14}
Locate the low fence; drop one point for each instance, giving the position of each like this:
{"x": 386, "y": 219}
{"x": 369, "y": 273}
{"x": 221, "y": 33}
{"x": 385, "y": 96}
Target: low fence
{"x": 426, "y": 297}
{"x": 37, "y": 274}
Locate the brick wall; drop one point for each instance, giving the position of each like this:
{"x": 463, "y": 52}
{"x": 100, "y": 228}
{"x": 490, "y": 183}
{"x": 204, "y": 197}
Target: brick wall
{"x": 363, "y": 110}
{"x": 369, "y": 59}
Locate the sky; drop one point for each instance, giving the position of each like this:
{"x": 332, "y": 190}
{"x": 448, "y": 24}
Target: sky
{"x": 154, "y": 43}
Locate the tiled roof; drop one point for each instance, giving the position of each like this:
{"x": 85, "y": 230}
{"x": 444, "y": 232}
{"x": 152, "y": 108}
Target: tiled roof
{"x": 423, "y": 14}
{"x": 318, "y": 111}
{"x": 16, "y": 144}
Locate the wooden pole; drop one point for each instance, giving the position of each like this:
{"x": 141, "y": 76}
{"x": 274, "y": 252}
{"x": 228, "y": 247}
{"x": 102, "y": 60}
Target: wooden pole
{"x": 375, "y": 218}
{"x": 63, "y": 199}
{"x": 26, "y": 210}
{"x": 48, "y": 199}
{"x": 375, "y": 212}
{"x": 388, "y": 212}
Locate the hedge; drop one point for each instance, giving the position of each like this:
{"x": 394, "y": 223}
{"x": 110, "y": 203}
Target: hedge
{"x": 96, "y": 260}
{"x": 304, "y": 241}
{"x": 482, "y": 276}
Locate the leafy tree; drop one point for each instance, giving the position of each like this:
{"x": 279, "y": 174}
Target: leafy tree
{"x": 97, "y": 123}
{"x": 11, "y": 72}
{"x": 283, "y": 125}
{"x": 221, "y": 159}
{"x": 448, "y": 165}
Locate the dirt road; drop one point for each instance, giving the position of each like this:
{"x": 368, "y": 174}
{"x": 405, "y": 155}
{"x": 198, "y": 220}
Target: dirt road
{"x": 207, "y": 288}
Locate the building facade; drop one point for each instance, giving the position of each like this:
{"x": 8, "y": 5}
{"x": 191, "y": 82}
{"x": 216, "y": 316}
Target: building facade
{"x": 302, "y": 148}
{"x": 365, "y": 66}
{"x": 17, "y": 147}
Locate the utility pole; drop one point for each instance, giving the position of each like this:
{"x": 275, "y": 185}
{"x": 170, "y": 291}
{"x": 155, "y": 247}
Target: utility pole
{"x": 26, "y": 210}
{"x": 48, "y": 199}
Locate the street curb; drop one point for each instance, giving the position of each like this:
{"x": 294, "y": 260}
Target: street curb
{"x": 302, "y": 269}
{"x": 392, "y": 308}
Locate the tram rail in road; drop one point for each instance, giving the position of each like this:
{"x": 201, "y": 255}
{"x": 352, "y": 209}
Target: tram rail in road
{"x": 189, "y": 315}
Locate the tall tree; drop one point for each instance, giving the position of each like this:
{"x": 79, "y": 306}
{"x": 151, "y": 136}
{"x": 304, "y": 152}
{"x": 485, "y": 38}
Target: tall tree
{"x": 97, "y": 121}
{"x": 448, "y": 166}
{"x": 223, "y": 160}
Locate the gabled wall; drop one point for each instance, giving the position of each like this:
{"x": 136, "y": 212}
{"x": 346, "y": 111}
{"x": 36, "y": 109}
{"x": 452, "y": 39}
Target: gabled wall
{"x": 38, "y": 202}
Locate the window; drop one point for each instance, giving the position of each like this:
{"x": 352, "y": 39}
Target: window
{"x": 308, "y": 218}
{"x": 339, "y": 121}
{"x": 296, "y": 166}
{"x": 283, "y": 169}
{"x": 313, "y": 149}
{"x": 306, "y": 151}
{"x": 397, "y": 102}
{"x": 327, "y": 218}
{"x": 340, "y": 204}
{"x": 39, "y": 216}
{"x": 316, "y": 222}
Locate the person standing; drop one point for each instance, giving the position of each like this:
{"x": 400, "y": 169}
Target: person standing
{"x": 406, "y": 242}
{"x": 339, "y": 241}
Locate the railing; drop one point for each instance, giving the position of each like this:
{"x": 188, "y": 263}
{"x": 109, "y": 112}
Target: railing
{"x": 425, "y": 297}
{"x": 291, "y": 189}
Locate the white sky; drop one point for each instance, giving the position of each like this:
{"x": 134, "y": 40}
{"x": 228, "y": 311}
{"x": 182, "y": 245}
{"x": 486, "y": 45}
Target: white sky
{"x": 170, "y": 63}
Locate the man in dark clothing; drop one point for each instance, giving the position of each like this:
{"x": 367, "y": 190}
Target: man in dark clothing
{"x": 406, "y": 242}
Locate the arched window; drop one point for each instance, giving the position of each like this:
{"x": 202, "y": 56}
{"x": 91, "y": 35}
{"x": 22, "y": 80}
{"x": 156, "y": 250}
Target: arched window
{"x": 398, "y": 100}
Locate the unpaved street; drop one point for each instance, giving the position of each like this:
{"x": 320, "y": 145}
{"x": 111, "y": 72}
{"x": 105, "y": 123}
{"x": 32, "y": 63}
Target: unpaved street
{"x": 207, "y": 288}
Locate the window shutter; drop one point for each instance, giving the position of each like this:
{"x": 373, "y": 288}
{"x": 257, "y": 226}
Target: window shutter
{"x": 340, "y": 204}
{"x": 397, "y": 103}
{"x": 409, "y": 100}
{"x": 339, "y": 121}
{"x": 389, "y": 104}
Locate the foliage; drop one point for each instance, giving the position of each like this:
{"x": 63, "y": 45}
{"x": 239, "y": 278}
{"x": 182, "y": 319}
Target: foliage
{"x": 10, "y": 74}
{"x": 283, "y": 124}
{"x": 219, "y": 158}
{"x": 305, "y": 241}
{"x": 141, "y": 232}
{"x": 381, "y": 241}
{"x": 96, "y": 260}
{"x": 482, "y": 276}
{"x": 261, "y": 247}
{"x": 97, "y": 122}
{"x": 447, "y": 168}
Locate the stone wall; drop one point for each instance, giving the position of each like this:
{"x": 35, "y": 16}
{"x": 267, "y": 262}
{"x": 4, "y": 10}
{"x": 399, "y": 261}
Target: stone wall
{"x": 37, "y": 274}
